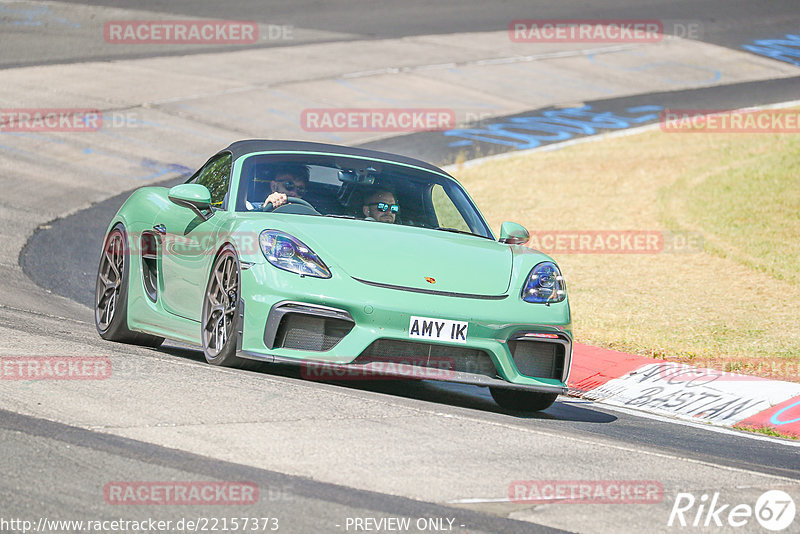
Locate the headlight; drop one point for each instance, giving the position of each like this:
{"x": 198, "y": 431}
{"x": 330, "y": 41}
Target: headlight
{"x": 545, "y": 284}
{"x": 290, "y": 254}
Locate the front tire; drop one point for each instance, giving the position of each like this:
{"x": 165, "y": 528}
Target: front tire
{"x": 220, "y": 317}
{"x": 522, "y": 401}
{"x": 111, "y": 293}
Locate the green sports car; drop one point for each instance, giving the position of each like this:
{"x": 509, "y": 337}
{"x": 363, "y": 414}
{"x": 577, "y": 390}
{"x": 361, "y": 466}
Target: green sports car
{"x": 345, "y": 261}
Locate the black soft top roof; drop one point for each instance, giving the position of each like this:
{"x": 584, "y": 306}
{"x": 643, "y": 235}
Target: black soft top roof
{"x": 242, "y": 148}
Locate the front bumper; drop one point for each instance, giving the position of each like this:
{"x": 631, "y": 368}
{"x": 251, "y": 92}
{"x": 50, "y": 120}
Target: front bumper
{"x": 348, "y": 328}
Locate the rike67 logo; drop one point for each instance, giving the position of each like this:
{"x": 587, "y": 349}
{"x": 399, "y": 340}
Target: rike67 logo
{"x": 774, "y": 510}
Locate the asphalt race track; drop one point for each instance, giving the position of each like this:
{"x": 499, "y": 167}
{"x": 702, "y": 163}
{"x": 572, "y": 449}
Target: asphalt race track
{"x": 442, "y": 456}
{"x": 726, "y": 23}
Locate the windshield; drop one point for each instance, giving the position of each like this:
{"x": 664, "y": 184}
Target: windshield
{"x": 360, "y": 189}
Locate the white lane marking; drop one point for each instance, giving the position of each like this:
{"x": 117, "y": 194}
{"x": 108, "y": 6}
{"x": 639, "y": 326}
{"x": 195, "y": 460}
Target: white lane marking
{"x": 478, "y": 501}
{"x": 706, "y": 426}
{"x": 623, "y": 448}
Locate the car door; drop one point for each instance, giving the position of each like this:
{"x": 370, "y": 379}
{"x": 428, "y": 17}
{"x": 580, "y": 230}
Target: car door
{"x": 188, "y": 242}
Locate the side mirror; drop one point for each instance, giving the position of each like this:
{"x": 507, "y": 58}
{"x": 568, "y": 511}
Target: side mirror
{"x": 196, "y": 197}
{"x": 512, "y": 233}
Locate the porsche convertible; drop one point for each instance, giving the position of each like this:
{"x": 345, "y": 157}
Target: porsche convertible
{"x": 314, "y": 254}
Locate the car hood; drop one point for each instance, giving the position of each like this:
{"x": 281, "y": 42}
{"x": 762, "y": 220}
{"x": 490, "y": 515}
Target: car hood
{"x": 407, "y": 256}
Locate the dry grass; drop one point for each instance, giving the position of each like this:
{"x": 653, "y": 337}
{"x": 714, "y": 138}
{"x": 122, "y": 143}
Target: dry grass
{"x": 767, "y": 431}
{"x": 732, "y": 305}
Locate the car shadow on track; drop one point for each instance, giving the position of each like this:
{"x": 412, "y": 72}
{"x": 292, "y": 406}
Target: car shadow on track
{"x": 472, "y": 397}
{"x": 447, "y": 393}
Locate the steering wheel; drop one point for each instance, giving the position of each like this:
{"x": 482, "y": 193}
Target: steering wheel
{"x": 289, "y": 200}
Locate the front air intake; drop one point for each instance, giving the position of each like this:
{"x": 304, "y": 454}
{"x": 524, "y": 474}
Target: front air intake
{"x": 301, "y": 326}
{"x": 306, "y": 332}
{"x": 538, "y": 359}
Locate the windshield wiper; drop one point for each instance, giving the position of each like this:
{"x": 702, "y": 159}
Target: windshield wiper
{"x": 339, "y": 216}
{"x": 457, "y": 231}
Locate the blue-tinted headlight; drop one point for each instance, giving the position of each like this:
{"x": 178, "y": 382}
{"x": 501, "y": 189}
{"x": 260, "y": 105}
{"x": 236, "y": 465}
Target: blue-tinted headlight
{"x": 290, "y": 254}
{"x": 544, "y": 284}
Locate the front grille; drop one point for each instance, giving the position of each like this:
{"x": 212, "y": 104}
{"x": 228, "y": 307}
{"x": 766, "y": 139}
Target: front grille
{"x": 538, "y": 359}
{"x": 308, "y": 332}
{"x": 443, "y": 357}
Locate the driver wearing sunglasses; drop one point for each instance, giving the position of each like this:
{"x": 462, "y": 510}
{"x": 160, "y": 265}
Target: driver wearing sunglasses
{"x": 287, "y": 180}
{"x": 381, "y": 206}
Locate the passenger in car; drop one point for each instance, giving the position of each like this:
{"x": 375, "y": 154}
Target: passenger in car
{"x": 381, "y": 205}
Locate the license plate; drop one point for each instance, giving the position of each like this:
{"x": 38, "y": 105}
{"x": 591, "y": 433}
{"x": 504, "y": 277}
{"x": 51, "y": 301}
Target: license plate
{"x": 438, "y": 329}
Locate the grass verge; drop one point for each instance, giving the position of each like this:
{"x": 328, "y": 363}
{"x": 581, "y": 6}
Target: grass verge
{"x": 766, "y": 431}
{"x": 730, "y": 302}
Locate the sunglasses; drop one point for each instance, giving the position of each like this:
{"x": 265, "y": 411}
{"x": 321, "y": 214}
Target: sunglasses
{"x": 383, "y": 206}
{"x": 291, "y": 186}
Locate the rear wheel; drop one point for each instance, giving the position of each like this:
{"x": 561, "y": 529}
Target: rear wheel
{"x": 524, "y": 401}
{"x": 111, "y": 293}
{"x": 220, "y": 317}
